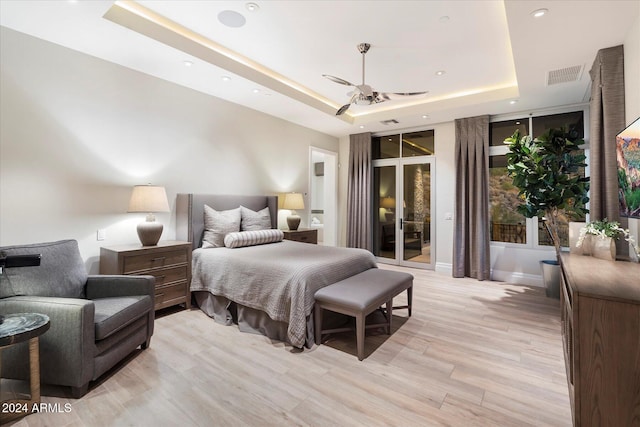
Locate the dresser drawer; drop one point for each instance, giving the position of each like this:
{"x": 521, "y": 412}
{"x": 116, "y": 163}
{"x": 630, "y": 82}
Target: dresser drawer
{"x": 141, "y": 263}
{"x": 170, "y": 295}
{"x": 168, "y": 275}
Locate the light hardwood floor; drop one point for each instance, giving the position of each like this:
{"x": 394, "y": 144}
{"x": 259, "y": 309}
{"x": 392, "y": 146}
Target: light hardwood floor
{"x": 473, "y": 354}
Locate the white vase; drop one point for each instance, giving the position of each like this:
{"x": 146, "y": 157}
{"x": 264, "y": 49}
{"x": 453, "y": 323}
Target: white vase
{"x": 603, "y": 248}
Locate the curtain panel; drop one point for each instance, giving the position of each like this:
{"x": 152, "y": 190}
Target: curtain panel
{"x": 359, "y": 200}
{"x": 606, "y": 121}
{"x": 471, "y": 227}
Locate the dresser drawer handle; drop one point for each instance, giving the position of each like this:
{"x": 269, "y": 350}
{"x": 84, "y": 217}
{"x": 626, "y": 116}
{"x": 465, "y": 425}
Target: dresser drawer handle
{"x": 158, "y": 259}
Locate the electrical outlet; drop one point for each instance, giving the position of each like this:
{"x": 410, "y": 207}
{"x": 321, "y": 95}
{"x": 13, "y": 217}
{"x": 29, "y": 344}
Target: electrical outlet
{"x": 101, "y": 234}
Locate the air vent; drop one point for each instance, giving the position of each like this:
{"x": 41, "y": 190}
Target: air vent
{"x": 564, "y": 75}
{"x": 390, "y": 122}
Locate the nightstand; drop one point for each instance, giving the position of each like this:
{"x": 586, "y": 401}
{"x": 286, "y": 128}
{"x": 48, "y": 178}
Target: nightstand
{"x": 304, "y": 235}
{"x": 169, "y": 262}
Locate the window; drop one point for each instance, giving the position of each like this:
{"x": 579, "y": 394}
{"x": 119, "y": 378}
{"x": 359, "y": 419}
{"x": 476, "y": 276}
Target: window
{"x": 507, "y": 225}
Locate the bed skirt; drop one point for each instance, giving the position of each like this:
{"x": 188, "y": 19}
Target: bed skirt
{"x": 248, "y": 319}
{"x": 227, "y": 312}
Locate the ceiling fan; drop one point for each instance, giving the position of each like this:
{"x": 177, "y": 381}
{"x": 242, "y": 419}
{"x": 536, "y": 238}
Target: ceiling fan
{"x": 364, "y": 94}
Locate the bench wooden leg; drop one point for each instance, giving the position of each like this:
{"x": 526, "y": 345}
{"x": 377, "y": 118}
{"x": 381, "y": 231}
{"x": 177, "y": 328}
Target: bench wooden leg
{"x": 318, "y": 323}
{"x": 389, "y": 315}
{"x": 360, "y": 318}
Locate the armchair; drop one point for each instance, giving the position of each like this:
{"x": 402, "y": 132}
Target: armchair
{"x": 96, "y": 321}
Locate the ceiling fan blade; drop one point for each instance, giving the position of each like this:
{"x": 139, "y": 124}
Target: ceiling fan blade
{"x": 338, "y": 80}
{"x": 342, "y": 109}
{"x": 345, "y": 107}
{"x": 409, "y": 93}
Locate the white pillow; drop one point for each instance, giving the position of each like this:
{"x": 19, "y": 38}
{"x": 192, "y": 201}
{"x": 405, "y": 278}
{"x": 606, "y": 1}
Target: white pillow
{"x": 251, "y": 238}
{"x": 252, "y": 220}
{"x": 217, "y": 224}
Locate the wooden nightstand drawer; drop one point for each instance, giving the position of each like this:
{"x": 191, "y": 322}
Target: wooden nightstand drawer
{"x": 167, "y": 296}
{"x": 168, "y": 275}
{"x": 136, "y": 264}
{"x": 302, "y": 235}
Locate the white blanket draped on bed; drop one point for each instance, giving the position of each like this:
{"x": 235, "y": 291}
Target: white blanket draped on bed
{"x": 278, "y": 278}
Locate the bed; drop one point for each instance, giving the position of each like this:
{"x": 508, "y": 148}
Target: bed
{"x": 268, "y": 288}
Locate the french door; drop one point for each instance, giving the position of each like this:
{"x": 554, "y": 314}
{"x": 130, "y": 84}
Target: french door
{"x": 403, "y": 205}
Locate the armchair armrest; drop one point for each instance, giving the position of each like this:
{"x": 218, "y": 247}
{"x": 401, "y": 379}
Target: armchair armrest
{"x": 105, "y": 286}
{"x": 67, "y": 348}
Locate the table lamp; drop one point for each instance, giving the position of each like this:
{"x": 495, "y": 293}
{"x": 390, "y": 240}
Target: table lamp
{"x": 150, "y": 199}
{"x": 293, "y": 201}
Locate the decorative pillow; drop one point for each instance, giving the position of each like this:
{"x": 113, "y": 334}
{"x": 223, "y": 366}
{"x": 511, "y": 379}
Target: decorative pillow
{"x": 217, "y": 224}
{"x": 252, "y": 220}
{"x": 251, "y": 238}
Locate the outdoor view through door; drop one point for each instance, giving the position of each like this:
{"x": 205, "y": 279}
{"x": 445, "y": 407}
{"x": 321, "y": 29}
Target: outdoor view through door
{"x": 403, "y": 198}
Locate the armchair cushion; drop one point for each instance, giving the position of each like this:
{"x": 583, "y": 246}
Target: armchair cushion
{"x": 116, "y": 313}
{"x": 61, "y": 272}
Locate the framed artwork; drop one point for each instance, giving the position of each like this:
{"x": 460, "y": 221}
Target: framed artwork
{"x": 628, "y": 159}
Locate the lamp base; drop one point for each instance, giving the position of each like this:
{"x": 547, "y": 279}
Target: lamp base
{"x": 293, "y": 221}
{"x": 149, "y": 233}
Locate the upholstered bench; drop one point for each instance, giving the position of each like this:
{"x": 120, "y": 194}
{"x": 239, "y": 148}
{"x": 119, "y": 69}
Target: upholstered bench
{"x": 359, "y": 296}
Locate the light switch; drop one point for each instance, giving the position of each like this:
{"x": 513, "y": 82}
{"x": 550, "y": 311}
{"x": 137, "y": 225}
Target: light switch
{"x": 102, "y": 234}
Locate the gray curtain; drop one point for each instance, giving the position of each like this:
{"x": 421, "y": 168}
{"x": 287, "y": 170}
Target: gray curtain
{"x": 359, "y": 211}
{"x": 471, "y": 226}
{"x": 607, "y": 120}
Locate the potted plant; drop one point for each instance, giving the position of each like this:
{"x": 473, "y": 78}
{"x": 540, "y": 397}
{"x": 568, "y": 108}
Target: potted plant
{"x": 546, "y": 172}
{"x": 602, "y": 235}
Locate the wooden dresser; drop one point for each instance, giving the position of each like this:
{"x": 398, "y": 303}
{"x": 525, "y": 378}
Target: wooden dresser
{"x": 305, "y": 235}
{"x": 169, "y": 262}
{"x": 600, "y": 303}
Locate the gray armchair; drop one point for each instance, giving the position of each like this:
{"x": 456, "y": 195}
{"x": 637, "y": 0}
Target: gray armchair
{"x": 96, "y": 321}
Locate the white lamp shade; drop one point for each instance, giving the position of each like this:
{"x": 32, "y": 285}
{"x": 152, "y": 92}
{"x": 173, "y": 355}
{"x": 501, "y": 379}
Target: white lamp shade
{"x": 388, "y": 203}
{"x": 148, "y": 198}
{"x": 293, "y": 201}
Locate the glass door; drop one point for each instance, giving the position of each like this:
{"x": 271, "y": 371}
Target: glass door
{"x": 416, "y": 224}
{"x": 403, "y": 201}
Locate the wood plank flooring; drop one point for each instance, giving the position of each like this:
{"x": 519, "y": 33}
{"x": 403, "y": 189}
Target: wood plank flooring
{"x": 473, "y": 354}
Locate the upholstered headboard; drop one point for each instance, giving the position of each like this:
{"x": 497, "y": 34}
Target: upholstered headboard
{"x": 190, "y": 212}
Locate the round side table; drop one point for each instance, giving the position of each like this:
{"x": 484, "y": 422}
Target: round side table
{"x": 16, "y": 328}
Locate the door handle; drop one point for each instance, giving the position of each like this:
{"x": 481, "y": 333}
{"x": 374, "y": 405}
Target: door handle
{"x": 400, "y": 223}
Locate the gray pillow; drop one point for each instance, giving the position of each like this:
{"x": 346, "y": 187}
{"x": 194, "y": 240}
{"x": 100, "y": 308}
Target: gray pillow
{"x": 252, "y": 221}
{"x": 61, "y": 272}
{"x": 217, "y": 224}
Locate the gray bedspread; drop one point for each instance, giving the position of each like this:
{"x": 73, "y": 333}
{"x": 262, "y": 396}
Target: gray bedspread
{"x": 278, "y": 278}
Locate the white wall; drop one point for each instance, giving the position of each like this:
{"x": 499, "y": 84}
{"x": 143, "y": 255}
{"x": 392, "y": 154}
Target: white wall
{"x": 632, "y": 91}
{"x": 78, "y": 132}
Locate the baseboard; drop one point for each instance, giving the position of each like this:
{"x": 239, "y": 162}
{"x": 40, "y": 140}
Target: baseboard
{"x": 517, "y": 278}
{"x": 444, "y": 267}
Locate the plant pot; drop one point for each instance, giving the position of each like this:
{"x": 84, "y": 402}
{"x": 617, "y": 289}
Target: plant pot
{"x": 603, "y": 248}
{"x": 551, "y": 278}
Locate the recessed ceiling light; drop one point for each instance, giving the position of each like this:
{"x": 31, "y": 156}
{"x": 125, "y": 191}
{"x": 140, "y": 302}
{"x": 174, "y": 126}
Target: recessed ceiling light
{"x": 225, "y": 78}
{"x": 187, "y": 63}
{"x": 440, "y": 72}
{"x": 444, "y": 19}
{"x": 539, "y": 12}
{"x": 72, "y": 1}
{"x": 361, "y": 126}
{"x": 256, "y": 90}
{"x": 252, "y": 7}
{"x": 424, "y": 116}
{"x": 231, "y": 19}
{"x": 513, "y": 101}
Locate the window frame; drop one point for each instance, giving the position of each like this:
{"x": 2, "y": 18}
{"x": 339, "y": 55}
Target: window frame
{"x": 532, "y": 224}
